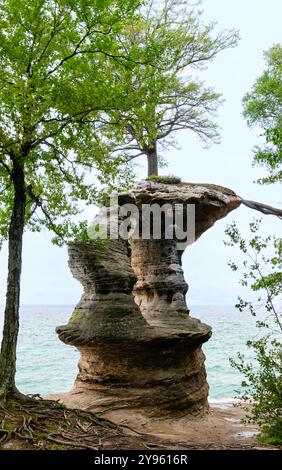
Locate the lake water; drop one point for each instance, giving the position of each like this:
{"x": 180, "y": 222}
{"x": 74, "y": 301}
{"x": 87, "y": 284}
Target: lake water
{"x": 45, "y": 365}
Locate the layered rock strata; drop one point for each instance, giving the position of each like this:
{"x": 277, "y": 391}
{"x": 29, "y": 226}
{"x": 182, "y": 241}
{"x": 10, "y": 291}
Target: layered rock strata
{"x": 140, "y": 349}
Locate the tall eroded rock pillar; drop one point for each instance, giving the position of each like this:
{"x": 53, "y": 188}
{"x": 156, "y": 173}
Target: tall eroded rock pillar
{"x": 140, "y": 349}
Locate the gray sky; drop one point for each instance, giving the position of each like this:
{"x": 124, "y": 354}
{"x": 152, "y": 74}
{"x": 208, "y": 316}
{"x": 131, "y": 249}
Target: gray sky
{"x": 46, "y": 277}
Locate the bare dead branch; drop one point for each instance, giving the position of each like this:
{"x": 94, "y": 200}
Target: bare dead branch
{"x": 264, "y": 208}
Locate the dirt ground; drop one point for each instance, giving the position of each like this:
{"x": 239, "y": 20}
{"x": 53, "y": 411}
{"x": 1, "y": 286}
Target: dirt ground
{"x": 45, "y": 424}
{"x": 220, "y": 428}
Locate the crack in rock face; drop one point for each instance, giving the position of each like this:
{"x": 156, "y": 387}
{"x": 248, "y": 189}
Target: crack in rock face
{"x": 139, "y": 347}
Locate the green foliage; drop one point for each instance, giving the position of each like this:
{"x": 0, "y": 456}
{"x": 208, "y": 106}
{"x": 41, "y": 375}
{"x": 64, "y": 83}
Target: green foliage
{"x": 57, "y": 447}
{"x": 10, "y": 428}
{"x": 262, "y": 387}
{"x": 49, "y": 431}
{"x": 169, "y": 43}
{"x": 262, "y": 107}
{"x": 11, "y": 405}
{"x": 262, "y": 384}
{"x": 99, "y": 244}
{"x": 170, "y": 179}
{"x": 262, "y": 265}
{"x": 57, "y": 62}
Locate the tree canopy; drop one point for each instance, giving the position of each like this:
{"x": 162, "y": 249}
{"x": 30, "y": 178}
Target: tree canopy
{"x": 56, "y": 61}
{"x": 167, "y": 94}
{"x": 263, "y": 108}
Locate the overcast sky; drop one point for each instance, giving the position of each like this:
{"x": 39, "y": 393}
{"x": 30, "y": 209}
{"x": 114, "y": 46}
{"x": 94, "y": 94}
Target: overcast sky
{"x": 46, "y": 277}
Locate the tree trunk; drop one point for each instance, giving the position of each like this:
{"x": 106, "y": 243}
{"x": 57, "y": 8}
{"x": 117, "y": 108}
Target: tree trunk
{"x": 152, "y": 157}
{"x": 11, "y": 322}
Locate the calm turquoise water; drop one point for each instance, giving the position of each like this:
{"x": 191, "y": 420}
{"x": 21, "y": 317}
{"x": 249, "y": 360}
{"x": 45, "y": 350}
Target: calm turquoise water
{"x": 45, "y": 365}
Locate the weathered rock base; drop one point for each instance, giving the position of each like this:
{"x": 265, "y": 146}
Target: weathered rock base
{"x": 158, "y": 377}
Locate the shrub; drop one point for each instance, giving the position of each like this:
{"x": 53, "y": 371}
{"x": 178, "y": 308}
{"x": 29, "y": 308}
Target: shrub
{"x": 170, "y": 179}
{"x": 262, "y": 384}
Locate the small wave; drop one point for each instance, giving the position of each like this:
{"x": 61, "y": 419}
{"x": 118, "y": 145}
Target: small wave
{"x": 223, "y": 403}
{"x": 223, "y": 400}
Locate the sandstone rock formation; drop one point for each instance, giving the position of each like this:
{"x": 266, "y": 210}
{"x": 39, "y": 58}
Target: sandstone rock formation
{"x": 140, "y": 349}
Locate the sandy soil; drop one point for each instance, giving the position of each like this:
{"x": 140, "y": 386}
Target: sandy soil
{"x": 221, "y": 428}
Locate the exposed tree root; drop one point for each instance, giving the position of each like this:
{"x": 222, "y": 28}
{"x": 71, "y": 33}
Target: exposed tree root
{"x": 44, "y": 424}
